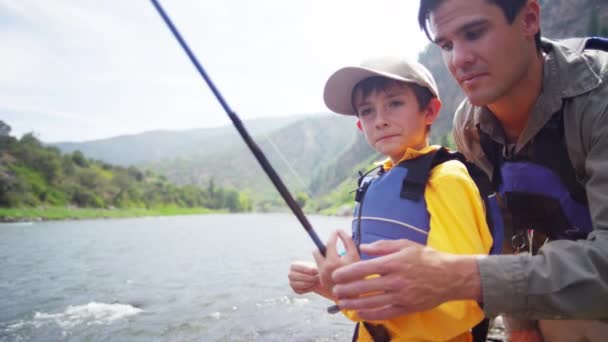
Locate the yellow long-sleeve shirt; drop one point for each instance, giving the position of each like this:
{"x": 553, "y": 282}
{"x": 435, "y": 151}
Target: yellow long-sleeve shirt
{"x": 457, "y": 225}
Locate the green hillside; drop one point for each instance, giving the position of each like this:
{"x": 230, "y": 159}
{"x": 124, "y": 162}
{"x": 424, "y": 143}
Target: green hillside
{"x": 36, "y": 176}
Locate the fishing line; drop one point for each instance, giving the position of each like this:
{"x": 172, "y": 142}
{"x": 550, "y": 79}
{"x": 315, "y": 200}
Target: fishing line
{"x": 288, "y": 164}
{"x": 259, "y": 155}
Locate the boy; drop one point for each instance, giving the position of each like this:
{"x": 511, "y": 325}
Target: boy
{"x": 396, "y": 102}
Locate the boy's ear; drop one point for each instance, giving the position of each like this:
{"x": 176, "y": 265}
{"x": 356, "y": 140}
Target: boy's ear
{"x": 432, "y": 110}
{"x": 359, "y": 125}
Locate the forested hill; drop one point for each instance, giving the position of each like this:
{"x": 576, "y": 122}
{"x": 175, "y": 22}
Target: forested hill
{"x": 33, "y": 175}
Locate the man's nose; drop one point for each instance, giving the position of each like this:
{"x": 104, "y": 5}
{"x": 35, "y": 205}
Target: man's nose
{"x": 462, "y": 56}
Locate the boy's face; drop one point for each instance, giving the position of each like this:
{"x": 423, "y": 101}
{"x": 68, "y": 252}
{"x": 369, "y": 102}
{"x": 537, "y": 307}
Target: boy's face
{"x": 392, "y": 120}
{"x": 488, "y": 57}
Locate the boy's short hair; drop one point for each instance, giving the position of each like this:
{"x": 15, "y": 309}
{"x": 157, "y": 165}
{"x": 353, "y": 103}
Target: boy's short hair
{"x": 341, "y": 84}
{"x": 380, "y": 83}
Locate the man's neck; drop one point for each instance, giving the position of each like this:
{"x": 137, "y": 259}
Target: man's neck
{"x": 514, "y": 109}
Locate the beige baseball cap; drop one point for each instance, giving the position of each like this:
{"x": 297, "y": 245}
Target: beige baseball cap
{"x": 340, "y": 85}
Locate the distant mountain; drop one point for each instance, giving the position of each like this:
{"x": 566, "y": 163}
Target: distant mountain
{"x": 311, "y": 155}
{"x": 150, "y": 146}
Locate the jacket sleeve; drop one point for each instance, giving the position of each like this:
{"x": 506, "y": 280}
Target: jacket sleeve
{"x": 566, "y": 279}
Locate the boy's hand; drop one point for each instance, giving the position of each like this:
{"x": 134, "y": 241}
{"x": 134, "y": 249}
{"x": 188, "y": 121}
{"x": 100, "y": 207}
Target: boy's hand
{"x": 332, "y": 260}
{"x": 303, "y": 277}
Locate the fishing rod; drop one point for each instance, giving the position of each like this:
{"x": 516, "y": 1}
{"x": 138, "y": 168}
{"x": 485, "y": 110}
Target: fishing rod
{"x": 259, "y": 155}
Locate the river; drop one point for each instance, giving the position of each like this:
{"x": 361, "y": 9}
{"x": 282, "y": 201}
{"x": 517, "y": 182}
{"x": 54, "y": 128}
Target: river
{"x": 186, "y": 278}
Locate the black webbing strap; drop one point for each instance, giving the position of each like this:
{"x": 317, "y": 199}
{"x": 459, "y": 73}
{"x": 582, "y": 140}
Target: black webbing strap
{"x": 587, "y": 43}
{"x": 480, "y": 331}
{"x": 418, "y": 173}
{"x": 377, "y": 331}
{"x": 549, "y": 149}
{"x": 494, "y": 153}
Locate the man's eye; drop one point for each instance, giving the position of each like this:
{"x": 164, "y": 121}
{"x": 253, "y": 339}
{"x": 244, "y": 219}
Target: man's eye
{"x": 473, "y": 35}
{"x": 396, "y": 103}
{"x": 447, "y": 46}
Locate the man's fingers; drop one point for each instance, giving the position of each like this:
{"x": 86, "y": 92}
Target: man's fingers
{"x": 383, "y": 247}
{"x": 359, "y": 270}
{"x": 367, "y": 288}
{"x": 373, "y": 301}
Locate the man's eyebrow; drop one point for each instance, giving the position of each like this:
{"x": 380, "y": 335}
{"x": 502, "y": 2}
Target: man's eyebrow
{"x": 467, "y": 26}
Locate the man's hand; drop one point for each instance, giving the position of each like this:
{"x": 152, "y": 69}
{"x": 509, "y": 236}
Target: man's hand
{"x": 411, "y": 278}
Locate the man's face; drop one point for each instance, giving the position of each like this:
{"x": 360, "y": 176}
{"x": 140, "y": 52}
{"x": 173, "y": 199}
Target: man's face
{"x": 488, "y": 57}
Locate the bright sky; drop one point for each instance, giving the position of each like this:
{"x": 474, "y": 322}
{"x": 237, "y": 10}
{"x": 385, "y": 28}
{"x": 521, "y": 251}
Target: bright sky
{"x": 74, "y": 70}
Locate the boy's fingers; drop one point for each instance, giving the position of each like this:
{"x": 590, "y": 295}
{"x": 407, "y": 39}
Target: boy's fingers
{"x": 318, "y": 257}
{"x": 302, "y": 287}
{"x": 331, "y": 249}
{"x": 349, "y": 244}
{"x": 300, "y": 276}
{"x": 305, "y": 267}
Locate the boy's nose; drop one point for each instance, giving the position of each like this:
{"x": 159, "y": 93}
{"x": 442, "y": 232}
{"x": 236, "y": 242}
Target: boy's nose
{"x": 381, "y": 121}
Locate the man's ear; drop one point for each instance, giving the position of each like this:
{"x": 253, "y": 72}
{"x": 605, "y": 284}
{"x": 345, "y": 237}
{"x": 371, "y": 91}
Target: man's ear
{"x": 359, "y": 125}
{"x": 530, "y": 16}
{"x": 432, "y": 110}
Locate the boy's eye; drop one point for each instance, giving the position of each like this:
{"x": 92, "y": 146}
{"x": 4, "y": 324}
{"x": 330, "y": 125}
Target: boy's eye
{"x": 396, "y": 103}
{"x": 364, "y": 111}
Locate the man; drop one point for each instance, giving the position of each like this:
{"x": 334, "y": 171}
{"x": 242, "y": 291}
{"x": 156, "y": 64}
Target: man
{"x": 513, "y": 88}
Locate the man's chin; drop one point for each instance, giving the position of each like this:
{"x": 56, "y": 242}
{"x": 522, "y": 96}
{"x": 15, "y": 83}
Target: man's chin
{"x": 477, "y": 99}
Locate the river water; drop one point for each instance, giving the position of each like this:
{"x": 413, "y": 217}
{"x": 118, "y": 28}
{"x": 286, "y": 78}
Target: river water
{"x": 188, "y": 278}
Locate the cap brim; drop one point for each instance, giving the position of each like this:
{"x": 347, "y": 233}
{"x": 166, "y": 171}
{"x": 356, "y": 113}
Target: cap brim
{"x": 339, "y": 87}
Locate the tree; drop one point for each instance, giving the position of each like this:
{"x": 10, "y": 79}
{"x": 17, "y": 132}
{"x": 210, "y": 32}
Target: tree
{"x": 301, "y": 199}
{"x": 5, "y": 129}
{"x": 79, "y": 159}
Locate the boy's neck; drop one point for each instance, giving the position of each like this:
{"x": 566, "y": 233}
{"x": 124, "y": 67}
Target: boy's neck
{"x": 420, "y": 147}
{"x": 514, "y": 109}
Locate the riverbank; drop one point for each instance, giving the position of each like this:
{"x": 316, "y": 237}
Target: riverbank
{"x": 72, "y": 213}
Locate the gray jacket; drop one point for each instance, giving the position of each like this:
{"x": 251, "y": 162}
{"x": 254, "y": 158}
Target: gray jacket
{"x": 566, "y": 279}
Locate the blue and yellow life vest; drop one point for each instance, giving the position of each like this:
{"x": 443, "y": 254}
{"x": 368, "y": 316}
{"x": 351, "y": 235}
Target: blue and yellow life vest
{"x": 390, "y": 205}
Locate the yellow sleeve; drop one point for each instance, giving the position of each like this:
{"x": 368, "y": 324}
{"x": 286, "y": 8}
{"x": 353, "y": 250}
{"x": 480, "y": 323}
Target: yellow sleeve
{"x": 457, "y": 225}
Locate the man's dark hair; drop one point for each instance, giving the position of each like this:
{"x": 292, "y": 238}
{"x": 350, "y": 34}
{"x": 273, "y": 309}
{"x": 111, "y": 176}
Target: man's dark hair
{"x": 510, "y": 8}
